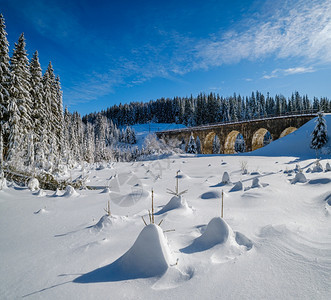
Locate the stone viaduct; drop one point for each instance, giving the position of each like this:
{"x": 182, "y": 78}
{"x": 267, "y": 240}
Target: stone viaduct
{"x": 253, "y": 132}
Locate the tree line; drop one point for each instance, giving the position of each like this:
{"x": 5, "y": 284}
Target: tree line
{"x": 210, "y": 108}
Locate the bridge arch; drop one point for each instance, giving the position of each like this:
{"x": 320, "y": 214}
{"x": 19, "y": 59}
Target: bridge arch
{"x": 230, "y": 141}
{"x": 259, "y": 138}
{"x": 287, "y": 131}
{"x": 208, "y": 143}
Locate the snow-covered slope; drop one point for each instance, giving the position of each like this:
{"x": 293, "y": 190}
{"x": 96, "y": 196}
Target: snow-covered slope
{"x": 297, "y": 143}
{"x": 273, "y": 243}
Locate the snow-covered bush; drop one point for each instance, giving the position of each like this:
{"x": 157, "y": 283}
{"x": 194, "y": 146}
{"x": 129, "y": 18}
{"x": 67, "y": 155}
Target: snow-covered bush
{"x": 33, "y": 184}
{"x": 299, "y": 177}
{"x": 317, "y": 167}
{"x": 3, "y": 183}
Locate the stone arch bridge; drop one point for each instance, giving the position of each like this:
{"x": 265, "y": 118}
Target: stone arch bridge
{"x": 253, "y": 132}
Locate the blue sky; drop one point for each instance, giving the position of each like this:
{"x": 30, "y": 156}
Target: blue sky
{"x": 107, "y": 52}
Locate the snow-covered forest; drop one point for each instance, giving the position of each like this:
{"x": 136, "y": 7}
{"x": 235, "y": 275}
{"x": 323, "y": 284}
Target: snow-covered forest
{"x": 211, "y": 108}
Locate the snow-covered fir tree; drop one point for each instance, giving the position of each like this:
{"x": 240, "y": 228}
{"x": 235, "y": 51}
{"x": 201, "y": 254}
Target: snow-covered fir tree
{"x": 192, "y": 147}
{"x": 5, "y": 80}
{"x": 319, "y": 134}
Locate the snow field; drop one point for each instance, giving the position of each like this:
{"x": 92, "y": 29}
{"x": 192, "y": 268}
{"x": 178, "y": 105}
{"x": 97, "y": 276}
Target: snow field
{"x": 273, "y": 243}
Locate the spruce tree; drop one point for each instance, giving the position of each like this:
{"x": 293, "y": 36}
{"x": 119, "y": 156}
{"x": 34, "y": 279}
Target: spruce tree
{"x": 191, "y": 147}
{"x": 39, "y": 114}
{"x": 319, "y": 134}
{"x": 20, "y": 88}
{"x": 5, "y": 79}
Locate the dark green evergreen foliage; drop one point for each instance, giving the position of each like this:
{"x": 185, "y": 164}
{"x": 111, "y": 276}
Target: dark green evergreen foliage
{"x": 319, "y": 134}
{"x": 211, "y": 108}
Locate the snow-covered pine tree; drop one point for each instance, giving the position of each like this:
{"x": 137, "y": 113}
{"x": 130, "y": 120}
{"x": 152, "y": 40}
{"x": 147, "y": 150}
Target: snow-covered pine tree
{"x": 59, "y": 121}
{"x": 192, "y": 147}
{"x": 15, "y": 136}
{"x": 89, "y": 143}
{"x": 20, "y": 91}
{"x": 319, "y": 134}
{"x": 38, "y": 109}
{"x": 216, "y": 145}
{"x": 5, "y": 79}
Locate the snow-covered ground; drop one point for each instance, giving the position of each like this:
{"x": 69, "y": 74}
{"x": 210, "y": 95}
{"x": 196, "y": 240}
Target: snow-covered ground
{"x": 274, "y": 241}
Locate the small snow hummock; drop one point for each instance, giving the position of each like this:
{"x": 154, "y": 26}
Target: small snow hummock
{"x": 217, "y": 232}
{"x": 299, "y": 177}
{"x": 70, "y": 192}
{"x": 40, "y": 193}
{"x": 106, "y": 190}
{"x": 33, "y": 184}
{"x": 226, "y": 178}
{"x": 174, "y": 203}
{"x": 317, "y": 167}
{"x": 107, "y": 220}
{"x": 256, "y": 183}
{"x": 327, "y": 167}
{"x": 237, "y": 187}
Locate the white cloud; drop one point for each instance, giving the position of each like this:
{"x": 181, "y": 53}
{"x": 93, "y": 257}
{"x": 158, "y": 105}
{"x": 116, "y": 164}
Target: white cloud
{"x": 299, "y": 29}
{"x": 290, "y": 71}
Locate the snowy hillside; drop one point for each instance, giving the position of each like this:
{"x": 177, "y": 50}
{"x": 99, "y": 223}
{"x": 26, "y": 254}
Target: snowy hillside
{"x": 297, "y": 143}
{"x": 274, "y": 241}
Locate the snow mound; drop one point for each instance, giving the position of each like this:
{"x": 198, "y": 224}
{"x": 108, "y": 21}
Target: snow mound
{"x": 174, "y": 203}
{"x": 237, "y": 187}
{"x": 327, "y": 167}
{"x": 226, "y": 178}
{"x": 105, "y": 190}
{"x": 70, "y": 192}
{"x": 256, "y": 183}
{"x": 299, "y": 177}
{"x": 217, "y": 232}
{"x": 149, "y": 256}
{"x": 40, "y": 193}
{"x": 33, "y": 184}
{"x": 41, "y": 211}
{"x": 57, "y": 193}
{"x": 317, "y": 168}
{"x": 107, "y": 220}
